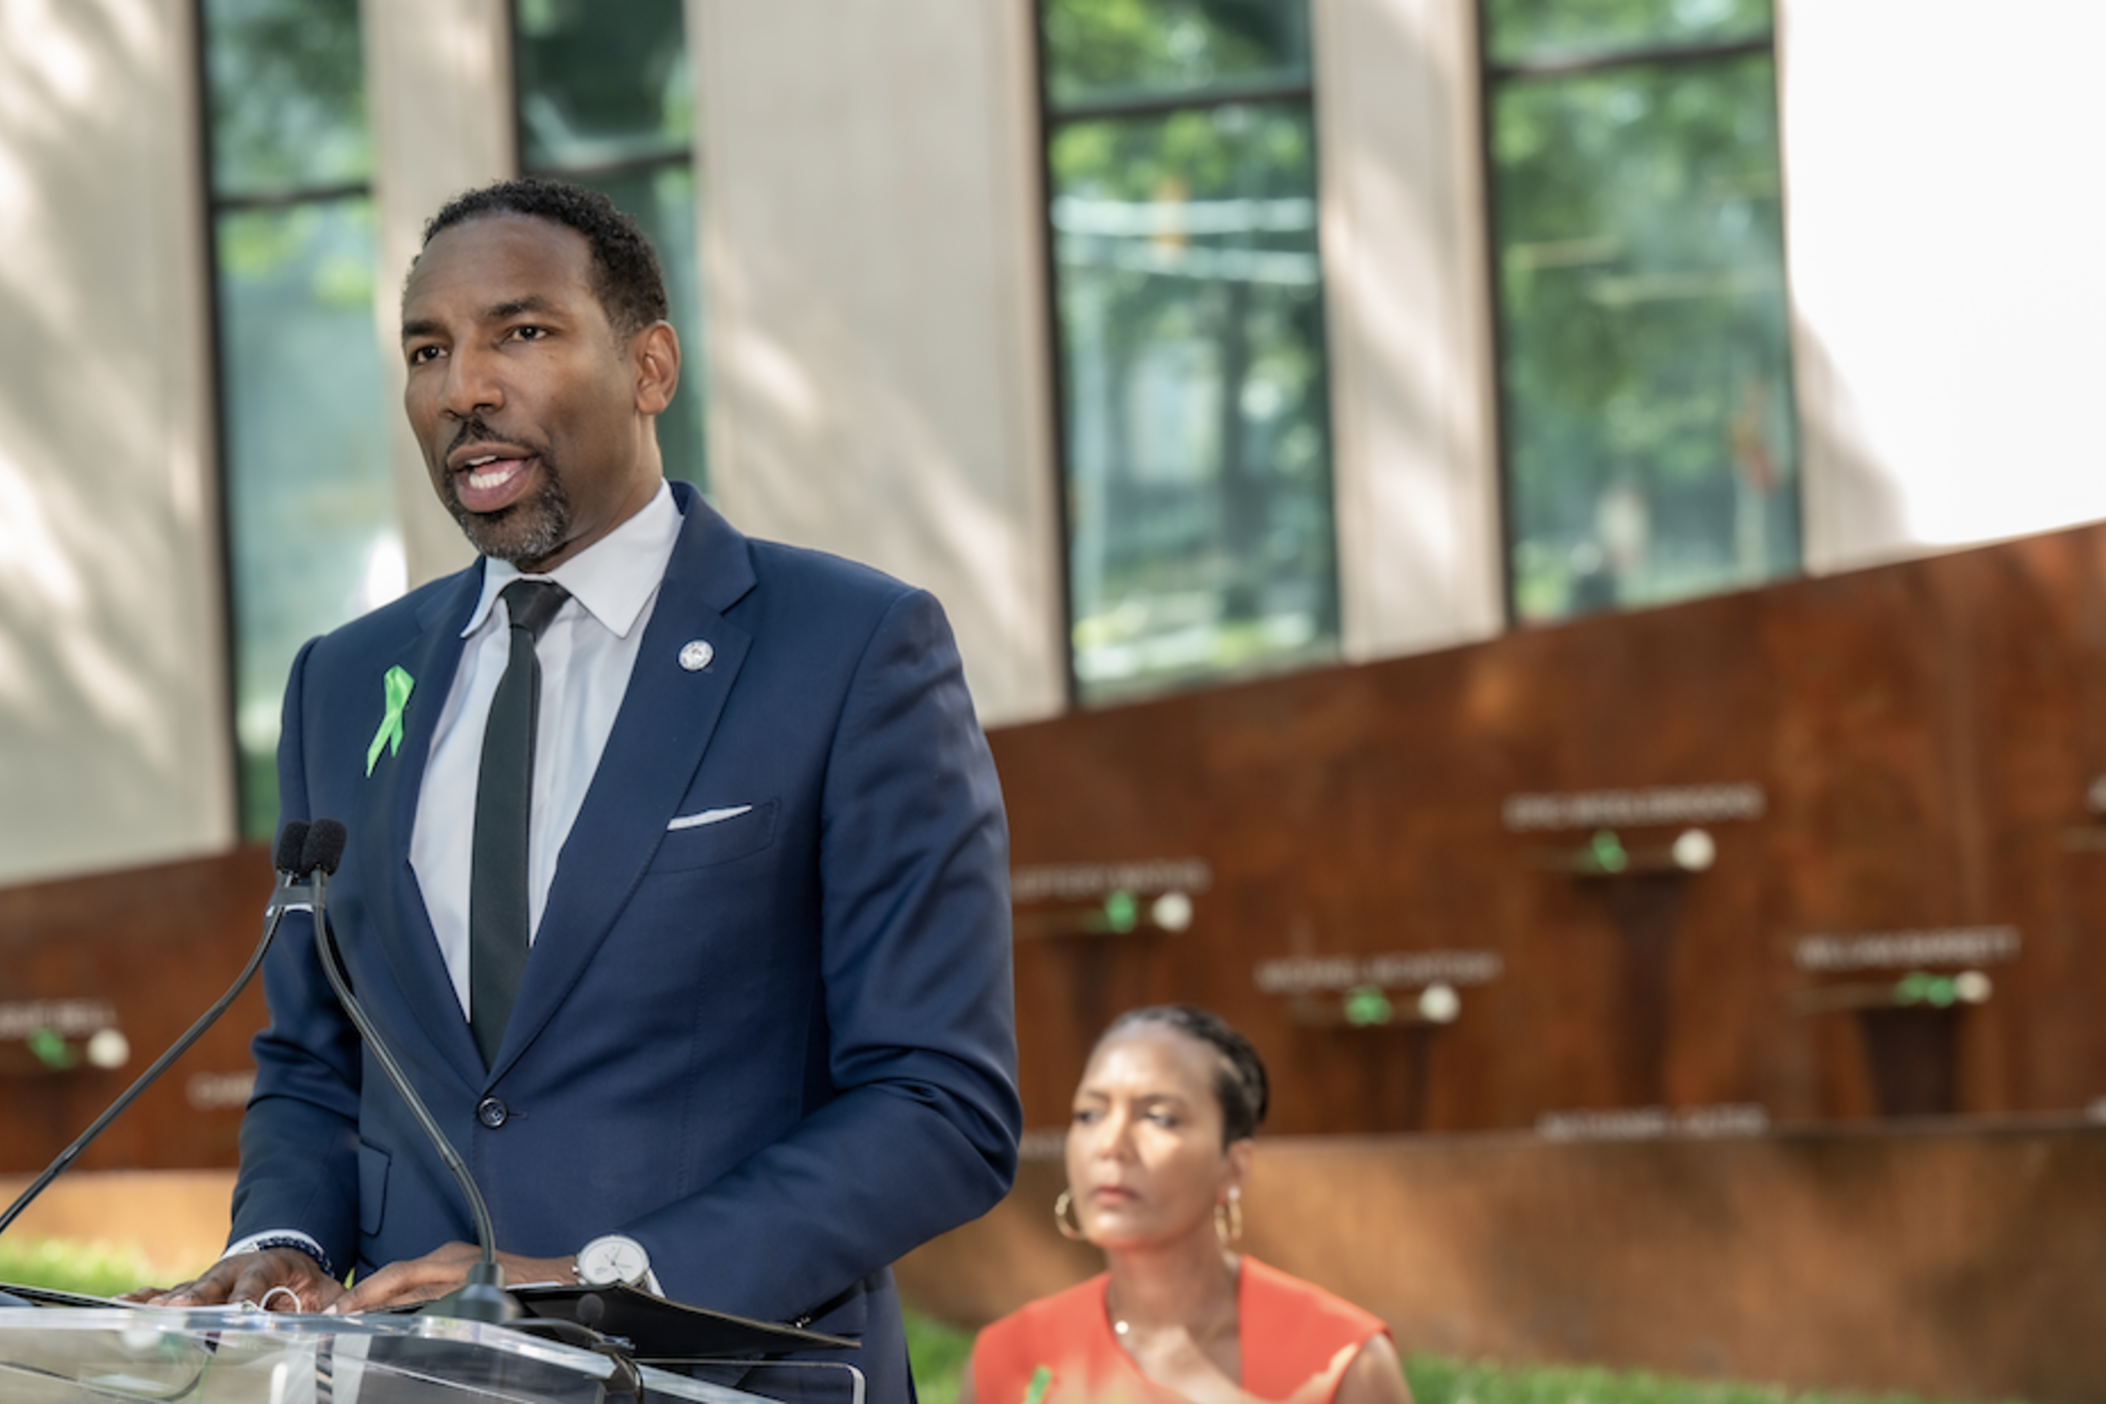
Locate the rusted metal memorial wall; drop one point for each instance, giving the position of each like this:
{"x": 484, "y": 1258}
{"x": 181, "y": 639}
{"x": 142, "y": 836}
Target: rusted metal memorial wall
{"x": 1822, "y": 852}
{"x": 98, "y": 975}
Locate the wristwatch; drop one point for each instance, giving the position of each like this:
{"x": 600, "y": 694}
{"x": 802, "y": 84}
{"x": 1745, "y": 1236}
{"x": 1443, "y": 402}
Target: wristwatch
{"x": 616, "y": 1258}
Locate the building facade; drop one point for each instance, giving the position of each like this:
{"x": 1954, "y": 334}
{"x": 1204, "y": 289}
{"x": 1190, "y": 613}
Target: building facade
{"x": 931, "y": 334}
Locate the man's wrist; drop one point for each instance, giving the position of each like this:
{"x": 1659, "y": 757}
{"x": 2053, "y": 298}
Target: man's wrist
{"x": 282, "y": 1238}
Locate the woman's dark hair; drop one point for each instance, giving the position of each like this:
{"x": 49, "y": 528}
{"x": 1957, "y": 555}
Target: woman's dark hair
{"x": 1239, "y": 1079}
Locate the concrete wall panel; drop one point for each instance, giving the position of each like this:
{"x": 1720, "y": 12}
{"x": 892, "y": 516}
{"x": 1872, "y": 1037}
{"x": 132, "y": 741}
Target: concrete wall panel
{"x": 876, "y": 343}
{"x": 114, "y": 738}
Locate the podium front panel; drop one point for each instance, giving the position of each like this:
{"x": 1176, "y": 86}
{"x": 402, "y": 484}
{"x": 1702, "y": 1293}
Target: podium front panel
{"x": 75, "y": 1355}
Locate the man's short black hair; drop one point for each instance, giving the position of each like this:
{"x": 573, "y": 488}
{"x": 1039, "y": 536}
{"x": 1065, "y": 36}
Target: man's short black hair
{"x": 625, "y": 273}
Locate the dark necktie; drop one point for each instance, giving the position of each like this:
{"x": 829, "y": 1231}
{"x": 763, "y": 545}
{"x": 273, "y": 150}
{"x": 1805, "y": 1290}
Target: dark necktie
{"x": 498, "y": 928}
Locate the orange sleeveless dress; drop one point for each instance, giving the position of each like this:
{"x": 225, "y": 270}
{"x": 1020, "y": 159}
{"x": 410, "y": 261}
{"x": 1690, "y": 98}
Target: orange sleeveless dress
{"x": 1295, "y": 1339}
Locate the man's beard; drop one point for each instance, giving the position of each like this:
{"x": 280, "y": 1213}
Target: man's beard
{"x": 527, "y": 531}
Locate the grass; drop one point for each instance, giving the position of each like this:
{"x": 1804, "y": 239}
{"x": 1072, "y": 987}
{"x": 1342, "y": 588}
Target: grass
{"x": 940, "y": 1351}
{"x": 93, "y": 1269}
{"x": 1439, "y": 1380}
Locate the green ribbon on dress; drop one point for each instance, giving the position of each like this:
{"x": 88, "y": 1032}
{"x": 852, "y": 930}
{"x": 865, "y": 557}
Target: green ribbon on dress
{"x": 397, "y": 684}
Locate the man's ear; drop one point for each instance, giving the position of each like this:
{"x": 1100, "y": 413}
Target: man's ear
{"x": 657, "y": 349}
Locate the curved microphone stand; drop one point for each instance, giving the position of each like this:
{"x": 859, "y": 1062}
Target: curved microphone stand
{"x": 289, "y": 854}
{"x": 482, "y": 1297}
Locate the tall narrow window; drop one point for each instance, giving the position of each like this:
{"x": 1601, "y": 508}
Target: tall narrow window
{"x": 311, "y": 526}
{"x": 1645, "y": 374}
{"x": 1181, "y": 160}
{"x": 604, "y": 100}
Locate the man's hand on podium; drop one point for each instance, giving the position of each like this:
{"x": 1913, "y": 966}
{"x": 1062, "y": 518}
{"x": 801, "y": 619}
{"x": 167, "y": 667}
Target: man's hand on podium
{"x": 274, "y": 1279}
{"x": 440, "y": 1271}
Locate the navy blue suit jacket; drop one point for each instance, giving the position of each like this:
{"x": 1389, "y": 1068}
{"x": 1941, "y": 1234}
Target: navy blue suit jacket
{"x": 778, "y": 1049}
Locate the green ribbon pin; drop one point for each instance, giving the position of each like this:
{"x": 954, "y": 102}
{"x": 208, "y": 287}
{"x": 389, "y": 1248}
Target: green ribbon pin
{"x": 397, "y": 684}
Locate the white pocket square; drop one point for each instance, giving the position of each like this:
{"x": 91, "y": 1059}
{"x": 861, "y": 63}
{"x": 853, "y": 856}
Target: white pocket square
{"x": 707, "y": 816}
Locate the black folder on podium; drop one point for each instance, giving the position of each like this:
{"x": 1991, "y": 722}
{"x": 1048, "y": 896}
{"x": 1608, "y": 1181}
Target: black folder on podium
{"x": 659, "y": 1331}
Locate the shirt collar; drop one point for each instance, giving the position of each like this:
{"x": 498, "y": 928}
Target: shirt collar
{"x": 614, "y": 577}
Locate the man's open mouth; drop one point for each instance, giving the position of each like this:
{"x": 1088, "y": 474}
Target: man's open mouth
{"x": 491, "y": 482}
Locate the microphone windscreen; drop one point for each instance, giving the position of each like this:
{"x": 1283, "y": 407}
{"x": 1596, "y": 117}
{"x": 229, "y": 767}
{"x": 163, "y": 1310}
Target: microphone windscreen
{"x": 292, "y": 843}
{"x": 325, "y": 847}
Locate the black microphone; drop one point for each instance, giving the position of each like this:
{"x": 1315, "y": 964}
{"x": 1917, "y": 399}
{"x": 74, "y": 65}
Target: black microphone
{"x": 292, "y": 843}
{"x": 482, "y": 1297}
{"x": 289, "y": 894}
{"x": 287, "y": 858}
{"x": 322, "y": 851}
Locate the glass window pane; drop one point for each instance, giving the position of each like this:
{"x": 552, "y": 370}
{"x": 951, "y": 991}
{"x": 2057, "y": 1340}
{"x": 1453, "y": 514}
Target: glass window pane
{"x": 1651, "y": 449}
{"x": 662, "y": 200}
{"x": 1198, "y": 467}
{"x": 600, "y": 85}
{"x": 1518, "y": 31}
{"x": 288, "y": 95}
{"x": 1109, "y": 49}
{"x": 311, "y": 515}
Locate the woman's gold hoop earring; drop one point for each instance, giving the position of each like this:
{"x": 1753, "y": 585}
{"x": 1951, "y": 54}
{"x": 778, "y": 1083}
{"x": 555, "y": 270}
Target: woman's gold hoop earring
{"x": 1228, "y": 1219}
{"x": 1064, "y": 1218}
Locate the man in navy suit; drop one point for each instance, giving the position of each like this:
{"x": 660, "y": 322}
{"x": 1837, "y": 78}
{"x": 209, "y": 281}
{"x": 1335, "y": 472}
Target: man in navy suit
{"x": 763, "y": 1039}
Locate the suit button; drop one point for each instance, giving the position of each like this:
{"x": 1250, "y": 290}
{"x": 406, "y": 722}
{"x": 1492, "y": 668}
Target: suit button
{"x": 491, "y": 1112}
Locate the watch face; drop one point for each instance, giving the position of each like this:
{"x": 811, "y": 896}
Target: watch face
{"x": 613, "y": 1259}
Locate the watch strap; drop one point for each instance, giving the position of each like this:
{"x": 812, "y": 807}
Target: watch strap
{"x": 281, "y": 1238}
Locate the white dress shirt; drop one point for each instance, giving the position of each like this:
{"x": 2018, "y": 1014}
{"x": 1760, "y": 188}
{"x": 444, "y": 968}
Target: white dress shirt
{"x": 587, "y": 653}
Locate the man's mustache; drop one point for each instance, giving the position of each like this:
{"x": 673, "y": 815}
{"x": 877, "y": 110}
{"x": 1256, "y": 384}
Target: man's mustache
{"x": 476, "y": 429}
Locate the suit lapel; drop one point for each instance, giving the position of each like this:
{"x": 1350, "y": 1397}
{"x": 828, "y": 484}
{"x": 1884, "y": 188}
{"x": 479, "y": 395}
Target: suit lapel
{"x": 667, "y": 717}
{"x": 387, "y": 813}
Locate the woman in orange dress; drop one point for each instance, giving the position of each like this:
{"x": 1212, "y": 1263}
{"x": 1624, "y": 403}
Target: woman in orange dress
{"x": 1157, "y": 1155}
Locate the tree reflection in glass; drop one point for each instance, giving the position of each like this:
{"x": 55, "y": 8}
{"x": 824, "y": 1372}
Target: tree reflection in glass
{"x": 1651, "y": 449}
{"x": 1189, "y": 296}
{"x": 605, "y": 100}
{"x": 312, "y": 533}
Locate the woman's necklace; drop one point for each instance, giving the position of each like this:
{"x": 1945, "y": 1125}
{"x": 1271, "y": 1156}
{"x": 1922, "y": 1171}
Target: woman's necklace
{"x": 1221, "y": 1326}
{"x": 1200, "y": 1339}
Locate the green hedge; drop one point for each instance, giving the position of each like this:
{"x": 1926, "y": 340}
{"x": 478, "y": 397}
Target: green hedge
{"x": 94, "y": 1269}
{"x": 1438, "y": 1380}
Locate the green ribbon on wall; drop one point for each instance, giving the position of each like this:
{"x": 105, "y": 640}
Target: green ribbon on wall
{"x": 397, "y": 685}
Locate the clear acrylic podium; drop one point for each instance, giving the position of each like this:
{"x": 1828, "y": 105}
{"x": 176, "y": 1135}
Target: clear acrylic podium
{"x": 92, "y": 1355}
